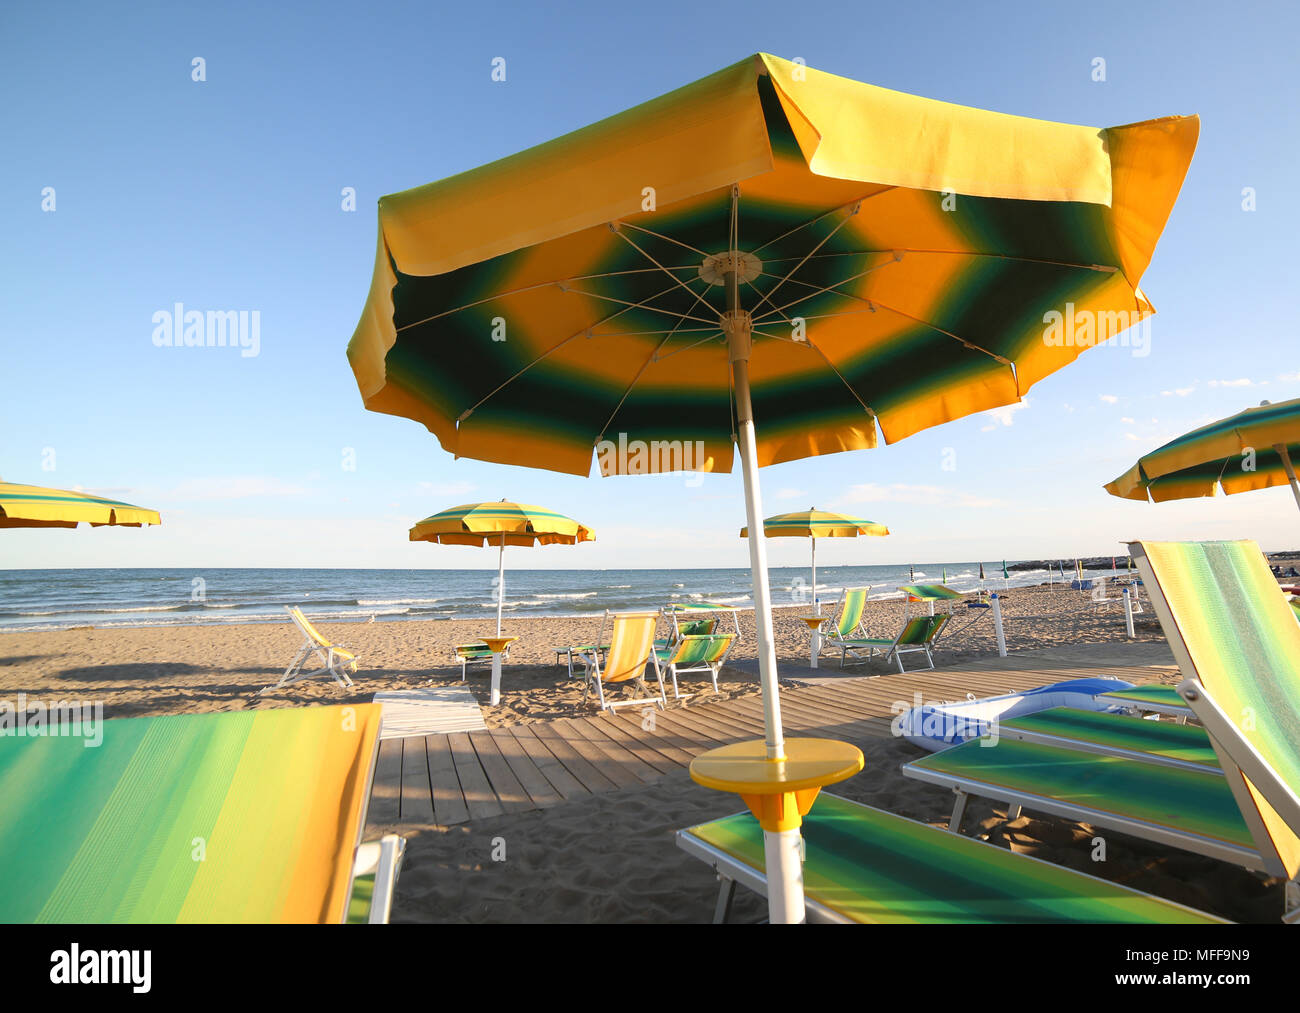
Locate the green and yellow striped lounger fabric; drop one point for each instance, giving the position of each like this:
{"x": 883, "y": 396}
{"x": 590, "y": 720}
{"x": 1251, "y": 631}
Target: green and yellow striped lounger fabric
{"x": 930, "y": 592}
{"x": 1155, "y": 698}
{"x": 867, "y": 865}
{"x": 695, "y": 649}
{"x": 853, "y": 604}
{"x": 1158, "y": 801}
{"x": 1120, "y": 734}
{"x": 1240, "y": 640}
{"x": 251, "y": 816}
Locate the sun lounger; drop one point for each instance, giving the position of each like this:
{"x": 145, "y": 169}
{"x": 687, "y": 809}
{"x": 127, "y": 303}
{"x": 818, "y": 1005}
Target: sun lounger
{"x": 1179, "y": 745}
{"x": 335, "y": 660}
{"x": 916, "y": 636}
{"x": 476, "y": 653}
{"x": 866, "y": 865}
{"x": 631, "y": 648}
{"x": 697, "y": 644}
{"x": 245, "y": 816}
{"x": 1239, "y": 652}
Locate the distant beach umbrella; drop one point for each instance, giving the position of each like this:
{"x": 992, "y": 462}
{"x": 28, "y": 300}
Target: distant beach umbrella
{"x": 1254, "y": 449}
{"x": 762, "y": 265}
{"x": 911, "y": 574}
{"x": 500, "y": 524}
{"x": 815, "y": 524}
{"x": 944, "y": 578}
{"x": 1005, "y": 575}
{"x": 34, "y": 506}
{"x": 981, "y": 573}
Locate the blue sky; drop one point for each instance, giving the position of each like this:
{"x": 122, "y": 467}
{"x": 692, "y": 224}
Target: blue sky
{"x": 226, "y": 194}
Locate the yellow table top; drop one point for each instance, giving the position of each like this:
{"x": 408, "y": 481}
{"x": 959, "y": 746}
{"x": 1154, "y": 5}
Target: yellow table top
{"x": 498, "y": 644}
{"x": 744, "y": 768}
{"x": 812, "y": 621}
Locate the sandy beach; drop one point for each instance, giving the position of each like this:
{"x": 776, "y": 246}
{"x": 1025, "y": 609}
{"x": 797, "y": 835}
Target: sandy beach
{"x": 609, "y": 857}
{"x": 195, "y": 669}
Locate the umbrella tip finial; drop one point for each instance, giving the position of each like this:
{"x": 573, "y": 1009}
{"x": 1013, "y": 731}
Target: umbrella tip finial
{"x": 1265, "y": 402}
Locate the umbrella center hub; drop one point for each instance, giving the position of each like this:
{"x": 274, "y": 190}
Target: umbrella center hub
{"x": 745, "y": 266}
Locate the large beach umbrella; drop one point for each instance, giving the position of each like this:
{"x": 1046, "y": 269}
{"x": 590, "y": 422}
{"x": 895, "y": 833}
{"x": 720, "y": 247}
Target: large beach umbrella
{"x": 502, "y": 523}
{"x": 34, "y": 506}
{"x": 772, "y": 261}
{"x": 815, "y": 524}
{"x": 1254, "y": 449}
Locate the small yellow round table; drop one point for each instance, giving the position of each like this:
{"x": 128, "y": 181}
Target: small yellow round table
{"x": 815, "y": 629}
{"x": 497, "y": 646}
{"x": 779, "y": 793}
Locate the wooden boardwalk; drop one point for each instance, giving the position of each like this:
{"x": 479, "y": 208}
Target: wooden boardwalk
{"x": 447, "y": 779}
{"x": 429, "y": 710}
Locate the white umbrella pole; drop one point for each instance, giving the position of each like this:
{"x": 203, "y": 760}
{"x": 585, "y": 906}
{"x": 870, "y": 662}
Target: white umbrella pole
{"x": 1290, "y": 470}
{"x": 816, "y": 600}
{"x": 501, "y": 580}
{"x": 785, "y": 896}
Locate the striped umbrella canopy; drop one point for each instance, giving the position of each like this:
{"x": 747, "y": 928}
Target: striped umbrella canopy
{"x": 502, "y": 523}
{"x": 34, "y": 506}
{"x": 772, "y": 261}
{"x": 1254, "y": 449}
{"x": 815, "y": 524}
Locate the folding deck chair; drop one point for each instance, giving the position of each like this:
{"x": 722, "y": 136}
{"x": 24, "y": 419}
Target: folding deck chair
{"x": 631, "y": 648}
{"x": 335, "y": 660}
{"x": 917, "y": 636}
{"x": 696, "y": 644}
{"x": 245, "y": 816}
{"x": 846, "y": 620}
{"x": 1239, "y": 652}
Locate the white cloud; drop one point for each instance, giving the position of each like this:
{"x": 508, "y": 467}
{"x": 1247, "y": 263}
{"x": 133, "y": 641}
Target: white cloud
{"x": 1243, "y": 382}
{"x": 1127, "y": 421}
{"x": 923, "y": 495}
{"x": 1005, "y": 414}
{"x": 1108, "y": 398}
{"x": 1289, "y": 377}
{"x": 235, "y": 487}
{"x": 1180, "y": 391}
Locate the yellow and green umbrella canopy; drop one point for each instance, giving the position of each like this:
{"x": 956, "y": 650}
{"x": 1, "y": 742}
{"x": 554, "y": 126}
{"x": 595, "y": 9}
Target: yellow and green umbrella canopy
{"x": 1254, "y": 449}
{"x": 815, "y": 524}
{"x": 501, "y": 524}
{"x": 34, "y": 506}
{"x": 531, "y": 309}
{"x": 773, "y": 261}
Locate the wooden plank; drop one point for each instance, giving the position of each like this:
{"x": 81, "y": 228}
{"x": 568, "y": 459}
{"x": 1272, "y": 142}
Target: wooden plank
{"x": 480, "y": 799}
{"x": 521, "y": 764}
{"x": 610, "y": 755}
{"x": 417, "y": 798}
{"x": 555, "y": 772}
{"x": 657, "y": 751}
{"x": 448, "y": 801}
{"x": 386, "y": 787}
{"x": 573, "y": 760}
{"x": 509, "y": 792}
